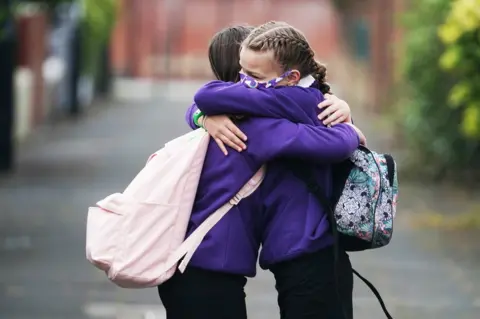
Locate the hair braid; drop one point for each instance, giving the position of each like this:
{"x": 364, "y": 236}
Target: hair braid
{"x": 290, "y": 48}
{"x": 319, "y": 72}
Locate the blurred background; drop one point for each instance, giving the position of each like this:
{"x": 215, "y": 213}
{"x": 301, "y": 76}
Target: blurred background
{"x": 90, "y": 88}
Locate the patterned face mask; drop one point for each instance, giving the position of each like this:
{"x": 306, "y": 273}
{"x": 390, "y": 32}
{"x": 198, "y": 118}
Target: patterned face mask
{"x": 254, "y": 84}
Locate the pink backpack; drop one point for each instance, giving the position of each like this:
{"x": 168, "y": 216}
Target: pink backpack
{"x": 138, "y": 237}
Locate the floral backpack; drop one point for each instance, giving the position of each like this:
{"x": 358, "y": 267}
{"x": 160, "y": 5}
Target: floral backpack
{"x": 365, "y": 192}
{"x": 363, "y": 202}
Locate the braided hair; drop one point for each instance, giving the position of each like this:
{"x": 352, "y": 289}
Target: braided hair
{"x": 290, "y": 49}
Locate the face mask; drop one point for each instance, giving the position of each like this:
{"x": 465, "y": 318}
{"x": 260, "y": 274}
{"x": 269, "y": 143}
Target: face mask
{"x": 255, "y": 84}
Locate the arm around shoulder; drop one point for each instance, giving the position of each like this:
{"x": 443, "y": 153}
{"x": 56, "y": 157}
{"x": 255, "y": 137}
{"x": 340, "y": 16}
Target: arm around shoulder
{"x": 217, "y": 97}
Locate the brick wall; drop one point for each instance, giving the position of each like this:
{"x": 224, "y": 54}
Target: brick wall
{"x": 169, "y": 39}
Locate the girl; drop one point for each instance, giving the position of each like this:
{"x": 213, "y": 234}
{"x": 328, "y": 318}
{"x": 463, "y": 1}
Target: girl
{"x": 212, "y": 286}
{"x": 273, "y": 56}
{"x": 223, "y": 54}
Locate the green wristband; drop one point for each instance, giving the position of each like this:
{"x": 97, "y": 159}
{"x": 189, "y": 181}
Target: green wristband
{"x": 197, "y": 115}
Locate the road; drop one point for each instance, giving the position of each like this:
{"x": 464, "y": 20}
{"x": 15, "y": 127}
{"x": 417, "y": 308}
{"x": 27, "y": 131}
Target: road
{"x": 67, "y": 167}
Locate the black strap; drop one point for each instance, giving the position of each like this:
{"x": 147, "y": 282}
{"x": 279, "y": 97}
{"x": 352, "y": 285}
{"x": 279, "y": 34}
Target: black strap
{"x": 390, "y": 168}
{"x": 307, "y": 176}
{"x": 375, "y": 292}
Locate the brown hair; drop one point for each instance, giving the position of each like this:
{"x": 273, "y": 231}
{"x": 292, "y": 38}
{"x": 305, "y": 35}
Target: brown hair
{"x": 290, "y": 49}
{"x": 224, "y": 52}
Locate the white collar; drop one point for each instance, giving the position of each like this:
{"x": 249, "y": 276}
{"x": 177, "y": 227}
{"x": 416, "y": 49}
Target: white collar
{"x": 306, "y": 82}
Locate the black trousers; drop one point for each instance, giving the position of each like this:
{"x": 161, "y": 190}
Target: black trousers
{"x": 306, "y": 290}
{"x": 202, "y": 294}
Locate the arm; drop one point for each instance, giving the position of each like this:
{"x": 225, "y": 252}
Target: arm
{"x": 292, "y": 103}
{"x": 221, "y": 128}
{"x": 189, "y": 116}
{"x": 316, "y": 143}
{"x": 219, "y": 97}
{"x": 334, "y": 111}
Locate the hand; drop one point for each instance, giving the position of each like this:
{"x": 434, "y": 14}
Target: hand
{"x": 224, "y": 131}
{"x": 361, "y": 136}
{"x": 335, "y": 111}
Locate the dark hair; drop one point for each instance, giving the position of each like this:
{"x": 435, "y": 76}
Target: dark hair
{"x": 224, "y": 52}
{"x": 290, "y": 48}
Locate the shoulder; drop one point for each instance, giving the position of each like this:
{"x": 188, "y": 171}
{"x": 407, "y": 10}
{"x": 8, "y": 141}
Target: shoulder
{"x": 299, "y": 93}
{"x": 215, "y": 85}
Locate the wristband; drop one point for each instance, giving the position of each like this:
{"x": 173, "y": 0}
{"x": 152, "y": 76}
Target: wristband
{"x": 196, "y": 115}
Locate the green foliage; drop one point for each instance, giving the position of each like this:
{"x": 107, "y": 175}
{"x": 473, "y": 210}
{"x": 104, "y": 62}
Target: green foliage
{"x": 97, "y": 26}
{"x": 436, "y": 78}
{"x": 461, "y": 35}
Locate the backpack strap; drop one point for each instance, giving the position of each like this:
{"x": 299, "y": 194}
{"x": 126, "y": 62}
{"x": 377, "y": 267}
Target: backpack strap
{"x": 375, "y": 292}
{"x": 190, "y": 245}
{"x": 306, "y": 176}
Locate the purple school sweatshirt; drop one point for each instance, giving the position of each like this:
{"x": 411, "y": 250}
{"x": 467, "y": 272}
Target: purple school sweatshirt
{"x": 281, "y": 215}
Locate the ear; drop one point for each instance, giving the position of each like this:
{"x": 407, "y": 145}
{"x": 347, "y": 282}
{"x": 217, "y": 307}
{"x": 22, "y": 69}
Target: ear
{"x": 293, "y": 78}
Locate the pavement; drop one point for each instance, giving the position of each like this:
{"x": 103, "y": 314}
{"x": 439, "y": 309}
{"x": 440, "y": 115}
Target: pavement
{"x": 65, "y": 168}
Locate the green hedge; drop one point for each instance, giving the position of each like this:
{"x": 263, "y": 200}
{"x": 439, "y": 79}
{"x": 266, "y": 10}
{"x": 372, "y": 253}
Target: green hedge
{"x": 461, "y": 36}
{"x": 97, "y": 27}
{"x": 440, "y": 68}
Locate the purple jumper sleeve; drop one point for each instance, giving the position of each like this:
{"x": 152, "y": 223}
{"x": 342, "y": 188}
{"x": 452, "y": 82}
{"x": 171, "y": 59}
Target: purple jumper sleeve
{"x": 278, "y": 112}
{"x": 314, "y": 143}
{"x": 219, "y": 97}
{"x": 189, "y": 116}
